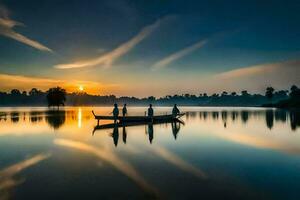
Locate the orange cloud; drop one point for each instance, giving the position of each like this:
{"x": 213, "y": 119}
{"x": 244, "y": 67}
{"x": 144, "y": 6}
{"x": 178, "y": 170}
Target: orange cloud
{"x": 9, "y": 82}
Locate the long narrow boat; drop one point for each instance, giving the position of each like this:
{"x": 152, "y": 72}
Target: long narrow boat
{"x": 121, "y": 119}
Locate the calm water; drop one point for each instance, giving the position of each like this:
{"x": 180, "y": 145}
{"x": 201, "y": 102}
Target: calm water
{"x": 233, "y": 153}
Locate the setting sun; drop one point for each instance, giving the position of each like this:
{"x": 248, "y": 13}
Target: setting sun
{"x": 81, "y": 88}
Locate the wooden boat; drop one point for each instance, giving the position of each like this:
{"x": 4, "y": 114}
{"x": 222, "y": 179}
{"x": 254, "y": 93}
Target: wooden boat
{"x": 128, "y": 124}
{"x": 122, "y": 119}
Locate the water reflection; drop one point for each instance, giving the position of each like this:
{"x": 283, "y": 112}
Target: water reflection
{"x": 105, "y": 154}
{"x": 270, "y": 115}
{"x": 55, "y": 118}
{"x": 7, "y": 175}
{"x": 211, "y": 151}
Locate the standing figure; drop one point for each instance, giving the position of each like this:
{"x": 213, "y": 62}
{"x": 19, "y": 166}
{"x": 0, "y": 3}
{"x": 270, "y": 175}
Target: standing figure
{"x": 150, "y": 111}
{"x": 124, "y": 110}
{"x": 115, "y": 112}
{"x": 175, "y": 111}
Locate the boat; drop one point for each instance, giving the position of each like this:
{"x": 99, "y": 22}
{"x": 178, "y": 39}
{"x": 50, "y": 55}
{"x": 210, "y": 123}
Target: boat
{"x": 123, "y": 119}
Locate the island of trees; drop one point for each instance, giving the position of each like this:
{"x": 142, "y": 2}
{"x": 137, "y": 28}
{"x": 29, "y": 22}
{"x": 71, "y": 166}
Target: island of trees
{"x": 58, "y": 96}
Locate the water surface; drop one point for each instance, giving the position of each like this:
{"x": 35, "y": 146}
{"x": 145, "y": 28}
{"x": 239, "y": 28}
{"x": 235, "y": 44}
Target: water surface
{"x": 234, "y": 153}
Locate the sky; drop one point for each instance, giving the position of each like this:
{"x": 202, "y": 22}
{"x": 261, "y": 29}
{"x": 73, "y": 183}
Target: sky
{"x": 144, "y": 48}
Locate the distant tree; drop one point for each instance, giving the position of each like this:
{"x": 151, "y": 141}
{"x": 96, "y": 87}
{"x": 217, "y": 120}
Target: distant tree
{"x": 56, "y": 97}
{"x": 24, "y": 93}
{"x": 245, "y": 93}
{"x": 233, "y": 93}
{"x": 295, "y": 92}
{"x": 224, "y": 93}
{"x": 35, "y": 92}
{"x": 204, "y": 94}
{"x": 270, "y": 92}
{"x": 151, "y": 98}
{"x": 15, "y": 92}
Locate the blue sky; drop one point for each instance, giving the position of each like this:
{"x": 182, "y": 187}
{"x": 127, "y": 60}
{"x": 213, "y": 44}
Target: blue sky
{"x": 148, "y": 47}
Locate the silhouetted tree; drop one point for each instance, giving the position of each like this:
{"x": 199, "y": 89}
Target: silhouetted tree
{"x": 56, "y": 97}
{"x": 245, "y": 93}
{"x": 270, "y": 92}
{"x": 15, "y": 92}
{"x": 295, "y": 92}
{"x": 233, "y": 93}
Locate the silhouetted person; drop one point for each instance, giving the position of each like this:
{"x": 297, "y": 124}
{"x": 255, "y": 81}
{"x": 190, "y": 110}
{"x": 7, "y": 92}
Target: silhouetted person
{"x": 150, "y": 111}
{"x": 175, "y": 111}
{"x": 115, "y": 135}
{"x": 150, "y": 132}
{"x": 124, "y": 110}
{"x": 115, "y": 112}
{"x": 124, "y": 135}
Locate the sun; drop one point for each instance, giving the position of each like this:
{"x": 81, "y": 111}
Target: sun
{"x": 80, "y": 88}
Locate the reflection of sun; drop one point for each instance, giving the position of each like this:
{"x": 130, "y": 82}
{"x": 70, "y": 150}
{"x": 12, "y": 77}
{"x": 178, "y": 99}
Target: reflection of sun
{"x": 80, "y": 87}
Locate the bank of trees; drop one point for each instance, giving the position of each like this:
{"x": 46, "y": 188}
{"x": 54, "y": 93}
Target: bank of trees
{"x": 57, "y": 97}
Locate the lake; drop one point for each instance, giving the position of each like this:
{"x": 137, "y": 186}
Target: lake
{"x": 228, "y": 153}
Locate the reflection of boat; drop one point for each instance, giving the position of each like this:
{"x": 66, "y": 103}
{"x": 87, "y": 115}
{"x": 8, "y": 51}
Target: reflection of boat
{"x": 127, "y": 124}
{"x": 121, "y": 119}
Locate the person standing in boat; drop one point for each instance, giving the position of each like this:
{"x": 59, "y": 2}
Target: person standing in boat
{"x": 175, "y": 111}
{"x": 115, "y": 112}
{"x": 150, "y": 111}
{"x": 124, "y": 110}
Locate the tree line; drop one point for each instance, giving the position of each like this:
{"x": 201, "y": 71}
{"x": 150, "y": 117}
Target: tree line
{"x": 58, "y": 97}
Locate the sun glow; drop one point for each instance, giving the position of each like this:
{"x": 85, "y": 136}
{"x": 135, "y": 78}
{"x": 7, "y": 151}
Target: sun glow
{"x": 80, "y": 88}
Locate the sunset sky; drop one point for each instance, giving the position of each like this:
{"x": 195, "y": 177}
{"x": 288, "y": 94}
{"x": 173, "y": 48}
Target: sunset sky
{"x": 143, "y": 48}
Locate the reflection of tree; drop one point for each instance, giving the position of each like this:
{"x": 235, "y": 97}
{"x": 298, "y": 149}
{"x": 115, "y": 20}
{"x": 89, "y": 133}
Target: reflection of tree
{"x": 215, "y": 115}
{"x": 3, "y": 116}
{"x": 204, "y": 115}
{"x": 295, "y": 119}
{"x": 280, "y": 115}
{"x": 244, "y": 116}
{"x": 14, "y": 117}
{"x": 224, "y": 116}
{"x": 35, "y": 116}
{"x": 234, "y": 115}
{"x": 270, "y": 118}
{"x": 55, "y": 118}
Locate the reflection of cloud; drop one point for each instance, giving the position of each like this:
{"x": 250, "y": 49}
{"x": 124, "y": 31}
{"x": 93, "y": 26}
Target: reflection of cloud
{"x": 6, "y": 29}
{"x": 175, "y": 56}
{"x": 177, "y": 161}
{"x": 107, "y": 59}
{"x": 281, "y": 74}
{"x": 6, "y": 175}
{"x": 9, "y": 82}
{"x": 111, "y": 158}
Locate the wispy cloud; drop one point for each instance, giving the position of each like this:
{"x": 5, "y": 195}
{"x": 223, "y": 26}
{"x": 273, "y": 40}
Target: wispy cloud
{"x": 179, "y": 54}
{"x": 107, "y": 59}
{"x": 279, "y": 74}
{"x": 6, "y": 29}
